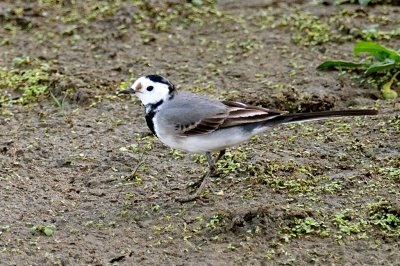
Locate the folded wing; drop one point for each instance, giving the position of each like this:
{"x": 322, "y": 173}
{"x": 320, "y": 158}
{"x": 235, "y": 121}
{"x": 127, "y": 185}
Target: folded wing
{"x": 235, "y": 114}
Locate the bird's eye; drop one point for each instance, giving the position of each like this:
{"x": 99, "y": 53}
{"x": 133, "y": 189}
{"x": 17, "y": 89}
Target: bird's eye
{"x": 149, "y": 88}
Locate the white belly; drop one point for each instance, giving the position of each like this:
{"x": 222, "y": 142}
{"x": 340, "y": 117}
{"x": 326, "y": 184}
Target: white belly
{"x": 213, "y": 141}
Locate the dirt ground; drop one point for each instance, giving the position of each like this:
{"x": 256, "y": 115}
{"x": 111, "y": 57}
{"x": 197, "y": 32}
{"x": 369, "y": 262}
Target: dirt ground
{"x": 84, "y": 183}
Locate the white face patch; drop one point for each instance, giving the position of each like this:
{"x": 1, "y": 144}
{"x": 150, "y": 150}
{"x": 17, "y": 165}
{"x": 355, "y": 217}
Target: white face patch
{"x": 150, "y": 92}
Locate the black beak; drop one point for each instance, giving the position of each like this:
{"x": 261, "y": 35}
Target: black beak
{"x": 127, "y": 91}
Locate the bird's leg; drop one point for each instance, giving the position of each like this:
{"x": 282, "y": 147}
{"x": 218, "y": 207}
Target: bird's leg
{"x": 212, "y": 168}
{"x": 202, "y": 182}
{"x": 220, "y": 155}
{"x": 211, "y": 162}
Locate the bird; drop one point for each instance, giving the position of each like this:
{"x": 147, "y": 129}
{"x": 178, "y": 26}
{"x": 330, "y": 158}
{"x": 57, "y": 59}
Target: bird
{"x": 198, "y": 124}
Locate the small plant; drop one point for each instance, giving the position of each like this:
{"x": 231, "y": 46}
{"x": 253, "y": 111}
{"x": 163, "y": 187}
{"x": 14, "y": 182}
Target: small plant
{"x": 381, "y": 60}
{"x": 386, "y": 217}
{"x": 230, "y": 162}
{"x": 309, "y": 30}
{"x": 58, "y": 103}
{"x": 304, "y": 226}
{"x": 347, "y": 225}
{"x": 215, "y": 221}
{"x": 46, "y": 229}
{"x": 29, "y": 78}
{"x": 160, "y": 17}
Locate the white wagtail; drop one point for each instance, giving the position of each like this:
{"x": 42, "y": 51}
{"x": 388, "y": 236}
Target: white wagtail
{"x": 197, "y": 124}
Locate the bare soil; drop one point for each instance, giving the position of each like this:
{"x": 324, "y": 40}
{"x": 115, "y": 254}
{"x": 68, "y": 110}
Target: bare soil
{"x": 88, "y": 171}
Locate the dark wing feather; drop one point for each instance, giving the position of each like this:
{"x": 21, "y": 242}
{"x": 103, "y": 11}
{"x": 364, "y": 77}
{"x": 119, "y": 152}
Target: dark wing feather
{"x": 236, "y": 114}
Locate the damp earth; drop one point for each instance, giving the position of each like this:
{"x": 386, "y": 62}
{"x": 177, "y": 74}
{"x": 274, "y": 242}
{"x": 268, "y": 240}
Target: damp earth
{"x": 83, "y": 182}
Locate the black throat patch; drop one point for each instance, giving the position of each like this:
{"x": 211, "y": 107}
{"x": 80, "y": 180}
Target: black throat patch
{"x": 151, "y": 110}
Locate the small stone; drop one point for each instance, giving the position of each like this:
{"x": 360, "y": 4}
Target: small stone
{"x": 220, "y": 193}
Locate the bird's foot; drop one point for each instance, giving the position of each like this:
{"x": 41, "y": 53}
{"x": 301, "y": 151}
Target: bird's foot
{"x": 198, "y": 186}
{"x": 203, "y": 179}
{"x": 189, "y": 198}
{"x": 198, "y": 195}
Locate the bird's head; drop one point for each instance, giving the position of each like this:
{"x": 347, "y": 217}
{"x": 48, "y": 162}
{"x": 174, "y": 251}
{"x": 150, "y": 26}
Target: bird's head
{"x": 151, "y": 89}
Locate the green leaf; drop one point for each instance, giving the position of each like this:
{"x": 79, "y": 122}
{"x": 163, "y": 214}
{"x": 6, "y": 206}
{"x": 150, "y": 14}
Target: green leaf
{"x": 33, "y": 230}
{"x": 340, "y": 2}
{"x": 338, "y": 64}
{"x": 380, "y": 52}
{"x": 389, "y": 95}
{"x": 48, "y": 231}
{"x": 381, "y": 66}
{"x": 387, "y": 92}
{"x": 197, "y": 2}
{"x": 364, "y": 2}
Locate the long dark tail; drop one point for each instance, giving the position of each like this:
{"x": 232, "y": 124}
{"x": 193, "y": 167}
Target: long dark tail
{"x": 301, "y": 117}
